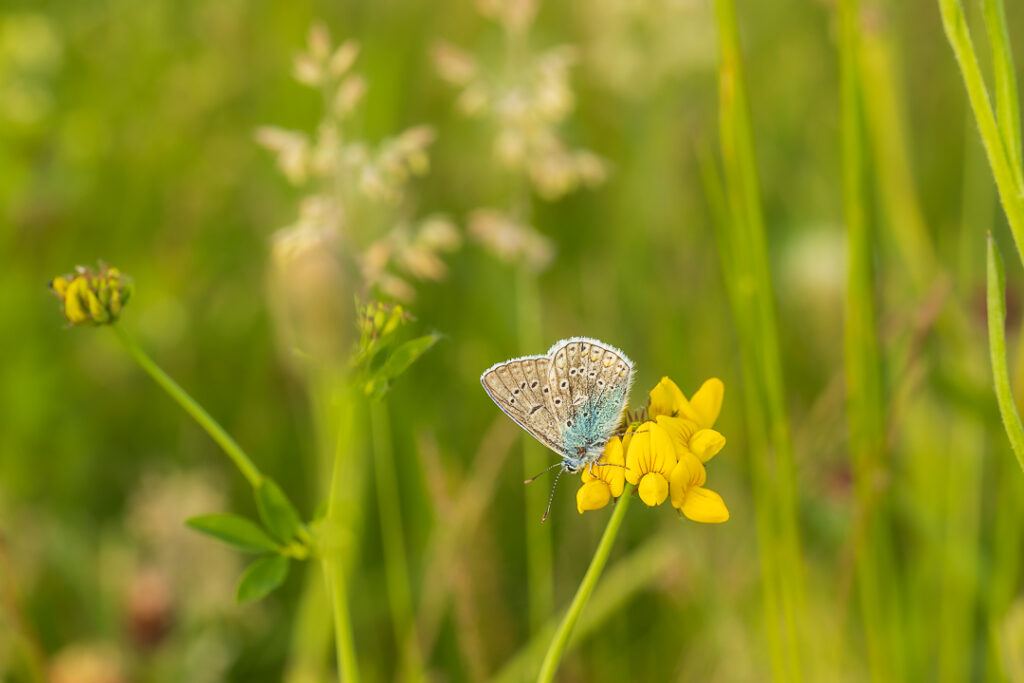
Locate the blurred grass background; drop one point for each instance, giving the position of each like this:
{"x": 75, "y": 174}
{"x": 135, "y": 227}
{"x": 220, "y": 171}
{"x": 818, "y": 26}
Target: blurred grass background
{"x": 126, "y": 133}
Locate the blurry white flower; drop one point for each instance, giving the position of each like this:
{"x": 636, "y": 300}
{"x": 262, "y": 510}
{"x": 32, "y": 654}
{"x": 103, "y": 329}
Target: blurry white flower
{"x": 453, "y": 64}
{"x": 509, "y": 240}
{"x": 343, "y": 58}
{"x": 291, "y": 149}
{"x": 307, "y": 70}
{"x": 349, "y": 95}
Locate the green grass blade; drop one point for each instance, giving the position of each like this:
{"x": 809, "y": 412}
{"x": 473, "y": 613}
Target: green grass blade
{"x": 1007, "y": 104}
{"x": 1011, "y": 192}
{"x": 753, "y": 307}
{"x": 997, "y": 349}
{"x": 865, "y": 399}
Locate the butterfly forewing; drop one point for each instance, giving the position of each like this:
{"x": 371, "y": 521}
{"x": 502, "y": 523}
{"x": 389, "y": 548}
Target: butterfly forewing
{"x": 520, "y": 388}
{"x": 590, "y": 384}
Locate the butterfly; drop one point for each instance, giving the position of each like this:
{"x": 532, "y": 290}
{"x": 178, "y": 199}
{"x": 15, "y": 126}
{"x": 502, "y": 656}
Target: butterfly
{"x": 571, "y": 399}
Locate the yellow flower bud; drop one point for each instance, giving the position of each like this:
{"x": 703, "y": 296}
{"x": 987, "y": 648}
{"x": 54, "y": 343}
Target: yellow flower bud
{"x": 92, "y": 298}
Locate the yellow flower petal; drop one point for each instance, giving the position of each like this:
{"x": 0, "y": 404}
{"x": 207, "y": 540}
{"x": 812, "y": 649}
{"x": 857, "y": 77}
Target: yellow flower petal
{"x": 653, "y": 489}
{"x": 680, "y": 429}
{"x": 60, "y": 285}
{"x": 706, "y": 443}
{"x": 665, "y": 398}
{"x": 663, "y": 450}
{"x": 638, "y": 455}
{"x": 704, "y": 505}
{"x": 610, "y": 469}
{"x": 627, "y": 437}
{"x": 688, "y": 473}
{"x": 74, "y": 307}
{"x": 707, "y": 402}
{"x": 593, "y": 495}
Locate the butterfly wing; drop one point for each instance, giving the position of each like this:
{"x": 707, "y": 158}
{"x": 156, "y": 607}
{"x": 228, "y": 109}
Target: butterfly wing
{"x": 590, "y": 383}
{"x": 520, "y": 388}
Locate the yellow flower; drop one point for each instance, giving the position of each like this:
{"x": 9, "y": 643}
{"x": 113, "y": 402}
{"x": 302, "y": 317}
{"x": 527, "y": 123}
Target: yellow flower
{"x": 649, "y": 462}
{"x": 686, "y": 484}
{"x": 90, "y": 298}
{"x": 702, "y": 409}
{"x": 602, "y": 482}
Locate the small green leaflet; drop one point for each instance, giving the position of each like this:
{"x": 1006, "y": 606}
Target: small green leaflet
{"x": 397, "y": 363}
{"x": 236, "y": 531}
{"x": 277, "y": 512}
{"x": 262, "y": 577}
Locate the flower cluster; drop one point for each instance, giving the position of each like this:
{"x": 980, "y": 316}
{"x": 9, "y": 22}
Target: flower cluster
{"x": 525, "y": 101}
{"x": 357, "y": 190}
{"x": 92, "y": 298}
{"x": 663, "y": 455}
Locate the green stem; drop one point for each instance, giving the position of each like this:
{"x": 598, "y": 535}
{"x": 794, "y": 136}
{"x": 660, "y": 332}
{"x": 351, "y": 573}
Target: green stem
{"x": 337, "y": 540}
{"x": 997, "y": 350}
{"x": 230, "y": 446}
{"x": 396, "y": 566}
{"x": 561, "y": 639}
{"x": 344, "y": 643}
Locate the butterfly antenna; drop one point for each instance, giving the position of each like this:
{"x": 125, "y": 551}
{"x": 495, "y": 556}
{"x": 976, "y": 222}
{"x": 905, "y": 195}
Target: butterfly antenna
{"x": 552, "y": 496}
{"x": 546, "y": 470}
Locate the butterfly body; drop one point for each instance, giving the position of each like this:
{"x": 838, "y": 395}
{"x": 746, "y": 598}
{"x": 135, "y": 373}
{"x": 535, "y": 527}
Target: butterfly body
{"x": 571, "y": 399}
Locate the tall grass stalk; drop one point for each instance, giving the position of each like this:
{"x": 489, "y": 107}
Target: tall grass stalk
{"x": 997, "y": 349}
{"x": 396, "y": 566}
{"x": 1001, "y": 157}
{"x": 754, "y": 314}
{"x": 1007, "y": 104}
{"x": 865, "y": 396}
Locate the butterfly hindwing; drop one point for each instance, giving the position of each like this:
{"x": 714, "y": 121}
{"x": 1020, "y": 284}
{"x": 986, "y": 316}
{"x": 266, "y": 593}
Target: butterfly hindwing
{"x": 520, "y": 388}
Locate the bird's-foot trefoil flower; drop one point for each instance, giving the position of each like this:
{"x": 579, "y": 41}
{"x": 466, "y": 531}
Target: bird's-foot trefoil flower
{"x": 92, "y": 298}
{"x": 604, "y": 480}
{"x": 649, "y": 462}
{"x": 664, "y": 450}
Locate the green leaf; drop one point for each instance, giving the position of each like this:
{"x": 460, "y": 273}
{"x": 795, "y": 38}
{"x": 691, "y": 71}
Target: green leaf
{"x": 397, "y": 363}
{"x": 262, "y": 577}
{"x": 235, "y": 531}
{"x": 277, "y": 512}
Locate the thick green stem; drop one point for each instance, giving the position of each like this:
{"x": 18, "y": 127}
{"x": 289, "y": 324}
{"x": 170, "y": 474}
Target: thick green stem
{"x": 338, "y": 537}
{"x": 604, "y": 548}
{"x": 234, "y": 451}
